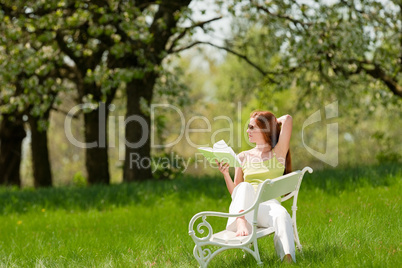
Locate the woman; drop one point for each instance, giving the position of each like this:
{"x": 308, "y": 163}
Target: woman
{"x": 269, "y": 159}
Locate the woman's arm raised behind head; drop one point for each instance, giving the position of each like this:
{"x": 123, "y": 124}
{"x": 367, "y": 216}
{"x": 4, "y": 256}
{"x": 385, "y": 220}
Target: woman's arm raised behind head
{"x": 282, "y": 147}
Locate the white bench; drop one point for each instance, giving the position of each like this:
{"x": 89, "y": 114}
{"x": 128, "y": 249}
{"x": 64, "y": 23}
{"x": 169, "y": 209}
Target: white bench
{"x": 287, "y": 185}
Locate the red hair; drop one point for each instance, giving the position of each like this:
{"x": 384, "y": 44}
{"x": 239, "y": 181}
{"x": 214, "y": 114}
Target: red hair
{"x": 271, "y": 129}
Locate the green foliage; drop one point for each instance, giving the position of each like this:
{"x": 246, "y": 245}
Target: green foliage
{"x": 167, "y": 165}
{"x": 170, "y": 87}
{"x": 92, "y": 48}
{"x": 311, "y": 54}
{"x": 79, "y": 180}
{"x": 28, "y": 66}
{"x": 107, "y": 44}
{"x": 386, "y": 143}
{"x": 325, "y": 49}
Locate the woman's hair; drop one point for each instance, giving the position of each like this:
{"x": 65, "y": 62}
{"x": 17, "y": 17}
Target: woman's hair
{"x": 271, "y": 129}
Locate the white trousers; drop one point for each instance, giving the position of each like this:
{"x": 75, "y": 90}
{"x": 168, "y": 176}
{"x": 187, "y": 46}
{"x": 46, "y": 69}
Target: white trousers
{"x": 270, "y": 214}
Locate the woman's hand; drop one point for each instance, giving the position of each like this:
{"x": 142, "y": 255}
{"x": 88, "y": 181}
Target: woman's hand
{"x": 223, "y": 167}
{"x": 282, "y": 119}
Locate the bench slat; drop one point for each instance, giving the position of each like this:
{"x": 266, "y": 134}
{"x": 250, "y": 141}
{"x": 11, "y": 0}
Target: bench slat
{"x": 229, "y": 237}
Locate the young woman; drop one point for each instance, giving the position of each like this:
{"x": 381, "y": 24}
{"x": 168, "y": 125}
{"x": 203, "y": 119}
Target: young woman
{"x": 270, "y": 158}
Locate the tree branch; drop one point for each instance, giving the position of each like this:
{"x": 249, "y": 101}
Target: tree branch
{"x": 164, "y": 22}
{"x": 352, "y": 6}
{"x": 186, "y": 30}
{"x": 379, "y": 73}
{"x": 375, "y": 71}
{"x": 64, "y": 48}
{"x": 286, "y": 17}
{"x": 244, "y": 57}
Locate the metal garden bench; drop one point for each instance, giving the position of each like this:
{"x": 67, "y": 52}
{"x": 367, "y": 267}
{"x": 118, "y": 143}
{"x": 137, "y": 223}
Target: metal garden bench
{"x": 287, "y": 185}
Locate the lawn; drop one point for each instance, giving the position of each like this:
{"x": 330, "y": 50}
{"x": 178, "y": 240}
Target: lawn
{"x": 347, "y": 218}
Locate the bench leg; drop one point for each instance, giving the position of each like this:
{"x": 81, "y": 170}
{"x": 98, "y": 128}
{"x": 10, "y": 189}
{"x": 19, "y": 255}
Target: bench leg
{"x": 256, "y": 253}
{"x": 296, "y": 235}
{"x": 202, "y": 256}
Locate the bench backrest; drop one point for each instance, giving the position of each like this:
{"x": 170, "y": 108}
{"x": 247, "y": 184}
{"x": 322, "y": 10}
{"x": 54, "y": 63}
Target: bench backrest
{"x": 286, "y": 184}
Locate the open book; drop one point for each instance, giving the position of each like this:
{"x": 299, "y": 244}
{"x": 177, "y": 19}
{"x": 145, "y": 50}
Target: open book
{"x": 221, "y": 152}
{"x": 229, "y": 237}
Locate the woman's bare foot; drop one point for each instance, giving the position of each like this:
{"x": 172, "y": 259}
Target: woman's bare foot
{"x": 287, "y": 258}
{"x": 241, "y": 225}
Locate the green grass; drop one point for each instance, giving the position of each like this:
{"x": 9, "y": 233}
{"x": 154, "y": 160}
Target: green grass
{"x": 346, "y": 218}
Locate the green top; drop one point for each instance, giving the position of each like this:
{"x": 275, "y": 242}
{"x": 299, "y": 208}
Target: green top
{"x": 257, "y": 172}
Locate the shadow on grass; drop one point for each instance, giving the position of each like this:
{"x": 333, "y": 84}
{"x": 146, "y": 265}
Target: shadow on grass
{"x": 103, "y": 197}
{"x": 319, "y": 255}
{"x": 312, "y": 256}
{"x": 184, "y": 189}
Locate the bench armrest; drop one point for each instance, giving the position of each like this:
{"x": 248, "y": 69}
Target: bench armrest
{"x": 287, "y": 197}
{"x": 207, "y": 225}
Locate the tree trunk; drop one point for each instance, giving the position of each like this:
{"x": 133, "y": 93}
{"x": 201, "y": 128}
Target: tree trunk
{"x": 40, "y": 154}
{"x": 137, "y": 166}
{"x": 12, "y": 133}
{"x": 96, "y": 157}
